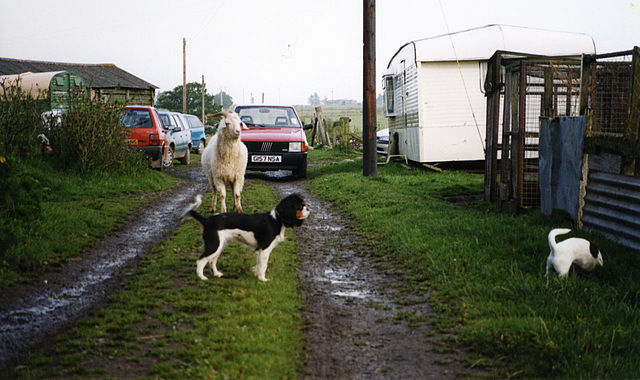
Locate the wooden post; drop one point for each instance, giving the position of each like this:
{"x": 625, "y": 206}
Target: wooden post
{"x": 184, "y": 75}
{"x": 369, "y": 124}
{"x": 322, "y": 128}
{"x": 518, "y": 144}
{"x": 344, "y": 132}
{"x": 547, "y": 107}
{"x": 633, "y": 112}
{"x": 492, "y": 89}
{"x": 203, "y": 105}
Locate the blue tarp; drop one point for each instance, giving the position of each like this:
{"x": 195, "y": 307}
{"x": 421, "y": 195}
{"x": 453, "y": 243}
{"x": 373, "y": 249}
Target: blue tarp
{"x": 560, "y": 149}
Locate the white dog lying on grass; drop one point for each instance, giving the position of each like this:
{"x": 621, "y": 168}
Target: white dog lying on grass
{"x": 577, "y": 251}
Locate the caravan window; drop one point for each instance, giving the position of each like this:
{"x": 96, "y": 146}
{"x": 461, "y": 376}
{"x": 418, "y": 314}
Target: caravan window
{"x": 389, "y": 96}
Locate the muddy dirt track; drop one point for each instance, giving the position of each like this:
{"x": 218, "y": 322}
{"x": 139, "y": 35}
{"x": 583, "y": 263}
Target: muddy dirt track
{"x": 353, "y": 325}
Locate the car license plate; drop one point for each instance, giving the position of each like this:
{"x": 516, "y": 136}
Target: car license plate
{"x": 267, "y": 159}
{"x": 133, "y": 141}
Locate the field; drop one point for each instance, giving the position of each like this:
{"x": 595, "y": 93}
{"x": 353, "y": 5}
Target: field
{"x": 334, "y": 113}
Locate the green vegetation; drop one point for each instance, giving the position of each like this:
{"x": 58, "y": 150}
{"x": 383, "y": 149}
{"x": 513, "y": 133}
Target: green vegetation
{"x": 170, "y": 324}
{"x": 51, "y": 207}
{"x": 62, "y": 212}
{"x": 90, "y": 138}
{"x": 172, "y": 101}
{"x": 484, "y": 272}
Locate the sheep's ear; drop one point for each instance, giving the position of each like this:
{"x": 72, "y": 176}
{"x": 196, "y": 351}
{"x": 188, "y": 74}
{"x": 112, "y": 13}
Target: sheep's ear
{"x": 216, "y": 114}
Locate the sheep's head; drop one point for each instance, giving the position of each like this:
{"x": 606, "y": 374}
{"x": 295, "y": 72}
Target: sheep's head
{"x": 230, "y": 125}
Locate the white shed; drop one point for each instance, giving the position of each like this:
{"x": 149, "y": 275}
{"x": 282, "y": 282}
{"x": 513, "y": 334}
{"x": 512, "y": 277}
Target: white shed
{"x": 433, "y": 87}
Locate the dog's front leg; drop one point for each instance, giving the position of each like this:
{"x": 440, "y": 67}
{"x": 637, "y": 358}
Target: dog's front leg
{"x": 261, "y": 267}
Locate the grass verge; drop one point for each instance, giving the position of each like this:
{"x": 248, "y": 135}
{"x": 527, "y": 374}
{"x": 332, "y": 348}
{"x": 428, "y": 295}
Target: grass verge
{"x": 485, "y": 272}
{"x": 168, "y": 323}
{"x": 76, "y": 210}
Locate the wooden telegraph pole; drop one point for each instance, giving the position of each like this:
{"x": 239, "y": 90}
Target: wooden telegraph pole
{"x": 184, "y": 75}
{"x": 369, "y": 90}
{"x": 203, "y": 105}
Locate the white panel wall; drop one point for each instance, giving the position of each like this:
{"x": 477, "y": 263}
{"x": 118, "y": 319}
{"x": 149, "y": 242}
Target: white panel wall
{"x": 448, "y": 129}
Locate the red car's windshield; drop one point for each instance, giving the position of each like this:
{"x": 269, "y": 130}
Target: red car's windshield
{"x": 268, "y": 116}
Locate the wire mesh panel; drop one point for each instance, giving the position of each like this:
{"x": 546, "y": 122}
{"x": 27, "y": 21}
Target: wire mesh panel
{"x": 552, "y": 89}
{"x": 520, "y": 89}
{"x": 609, "y": 95}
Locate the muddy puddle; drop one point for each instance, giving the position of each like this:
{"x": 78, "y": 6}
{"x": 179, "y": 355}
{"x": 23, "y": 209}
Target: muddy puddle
{"x": 32, "y": 314}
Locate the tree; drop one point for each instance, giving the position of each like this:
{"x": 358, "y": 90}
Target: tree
{"x": 224, "y": 98}
{"x": 314, "y": 99}
{"x": 172, "y": 100}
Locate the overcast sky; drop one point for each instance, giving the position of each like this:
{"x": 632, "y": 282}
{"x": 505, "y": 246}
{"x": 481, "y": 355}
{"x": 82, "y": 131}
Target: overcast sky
{"x": 286, "y": 49}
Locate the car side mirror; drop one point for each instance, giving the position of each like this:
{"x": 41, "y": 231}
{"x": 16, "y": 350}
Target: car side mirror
{"x": 308, "y": 126}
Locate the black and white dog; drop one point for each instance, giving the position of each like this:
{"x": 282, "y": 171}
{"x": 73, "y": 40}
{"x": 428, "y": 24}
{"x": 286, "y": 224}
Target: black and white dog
{"x": 577, "y": 251}
{"x": 262, "y": 231}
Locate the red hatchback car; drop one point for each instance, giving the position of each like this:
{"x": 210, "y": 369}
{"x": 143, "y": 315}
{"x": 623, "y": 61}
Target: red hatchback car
{"x": 275, "y": 138}
{"x": 147, "y": 133}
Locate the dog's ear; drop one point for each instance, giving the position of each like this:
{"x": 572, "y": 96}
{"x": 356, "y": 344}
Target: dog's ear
{"x": 288, "y": 210}
{"x": 594, "y": 250}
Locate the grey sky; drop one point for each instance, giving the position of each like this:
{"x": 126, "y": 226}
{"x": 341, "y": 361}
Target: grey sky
{"x": 286, "y": 49}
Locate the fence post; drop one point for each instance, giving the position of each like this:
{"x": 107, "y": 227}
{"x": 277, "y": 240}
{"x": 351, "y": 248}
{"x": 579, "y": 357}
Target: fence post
{"x": 634, "y": 104}
{"x": 344, "y": 132}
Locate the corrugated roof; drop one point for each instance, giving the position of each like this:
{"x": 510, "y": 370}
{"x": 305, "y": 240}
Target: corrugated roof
{"x": 106, "y": 75}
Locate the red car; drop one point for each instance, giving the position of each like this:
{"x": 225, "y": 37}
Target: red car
{"x": 275, "y": 138}
{"x": 147, "y": 133}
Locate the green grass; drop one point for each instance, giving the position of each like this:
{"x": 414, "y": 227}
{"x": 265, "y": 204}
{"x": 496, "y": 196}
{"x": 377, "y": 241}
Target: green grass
{"x": 174, "y": 325}
{"x": 484, "y": 272}
{"x": 76, "y": 211}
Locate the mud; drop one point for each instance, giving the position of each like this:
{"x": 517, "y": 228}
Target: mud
{"x": 31, "y": 314}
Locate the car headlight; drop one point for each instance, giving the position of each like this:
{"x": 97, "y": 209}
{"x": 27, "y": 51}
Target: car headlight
{"x": 295, "y": 147}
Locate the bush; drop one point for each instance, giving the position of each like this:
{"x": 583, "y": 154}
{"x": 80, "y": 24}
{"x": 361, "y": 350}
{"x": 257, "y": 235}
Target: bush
{"x": 19, "y": 205}
{"x": 20, "y": 122}
{"x": 90, "y": 138}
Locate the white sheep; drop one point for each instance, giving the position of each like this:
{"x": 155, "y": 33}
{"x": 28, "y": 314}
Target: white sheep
{"x": 224, "y": 160}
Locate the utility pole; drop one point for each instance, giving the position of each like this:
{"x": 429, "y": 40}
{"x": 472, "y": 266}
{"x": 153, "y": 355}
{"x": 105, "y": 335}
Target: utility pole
{"x": 203, "y": 120}
{"x": 369, "y": 123}
{"x": 184, "y": 75}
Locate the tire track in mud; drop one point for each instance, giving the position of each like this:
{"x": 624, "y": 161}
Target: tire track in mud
{"x": 32, "y": 314}
{"x": 353, "y": 307}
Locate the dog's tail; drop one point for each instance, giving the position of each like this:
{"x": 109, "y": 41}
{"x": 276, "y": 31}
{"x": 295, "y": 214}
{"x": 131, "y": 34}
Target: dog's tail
{"x": 553, "y": 234}
{"x": 190, "y": 212}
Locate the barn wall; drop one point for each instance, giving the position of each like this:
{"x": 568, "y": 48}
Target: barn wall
{"x": 142, "y": 97}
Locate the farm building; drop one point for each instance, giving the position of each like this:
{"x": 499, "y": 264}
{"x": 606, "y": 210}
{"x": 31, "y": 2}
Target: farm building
{"x": 434, "y": 88}
{"x": 106, "y": 81}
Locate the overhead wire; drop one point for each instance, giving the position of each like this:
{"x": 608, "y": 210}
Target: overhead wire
{"x": 455, "y": 53}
